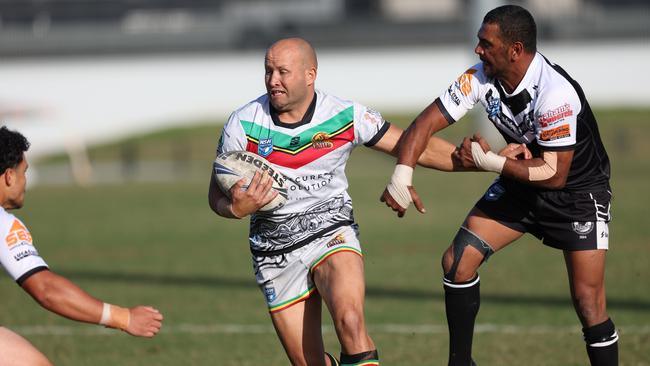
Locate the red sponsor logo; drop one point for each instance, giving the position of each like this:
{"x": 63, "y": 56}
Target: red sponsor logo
{"x": 551, "y": 117}
{"x": 322, "y": 140}
{"x": 556, "y": 133}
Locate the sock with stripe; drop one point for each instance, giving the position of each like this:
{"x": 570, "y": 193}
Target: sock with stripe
{"x": 602, "y": 343}
{"x": 368, "y": 358}
{"x": 333, "y": 360}
{"x": 462, "y": 301}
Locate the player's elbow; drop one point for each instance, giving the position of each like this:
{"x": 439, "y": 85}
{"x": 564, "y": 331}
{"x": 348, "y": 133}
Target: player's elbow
{"x": 556, "y": 182}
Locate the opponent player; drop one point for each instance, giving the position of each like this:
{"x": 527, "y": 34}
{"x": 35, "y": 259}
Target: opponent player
{"x": 561, "y": 195}
{"x": 308, "y": 250}
{"x": 55, "y": 293}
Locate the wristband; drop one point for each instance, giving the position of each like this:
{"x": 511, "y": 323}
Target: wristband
{"x": 401, "y": 179}
{"x": 115, "y": 317}
{"x": 489, "y": 161}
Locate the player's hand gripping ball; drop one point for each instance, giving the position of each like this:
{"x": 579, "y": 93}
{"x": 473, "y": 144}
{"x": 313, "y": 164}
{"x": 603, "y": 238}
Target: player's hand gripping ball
{"x": 232, "y": 166}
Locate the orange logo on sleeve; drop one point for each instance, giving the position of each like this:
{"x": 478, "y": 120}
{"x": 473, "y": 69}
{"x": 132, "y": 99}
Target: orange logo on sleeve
{"x": 465, "y": 82}
{"x": 556, "y": 133}
{"x": 18, "y": 233}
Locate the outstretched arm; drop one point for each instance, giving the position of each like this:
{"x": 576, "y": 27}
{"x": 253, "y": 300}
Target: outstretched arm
{"x": 61, "y": 296}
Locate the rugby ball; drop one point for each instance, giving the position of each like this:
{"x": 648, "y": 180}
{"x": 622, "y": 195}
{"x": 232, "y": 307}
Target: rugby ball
{"x": 230, "y": 167}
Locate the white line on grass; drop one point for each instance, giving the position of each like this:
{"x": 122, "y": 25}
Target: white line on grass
{"x": 76, "y": 330}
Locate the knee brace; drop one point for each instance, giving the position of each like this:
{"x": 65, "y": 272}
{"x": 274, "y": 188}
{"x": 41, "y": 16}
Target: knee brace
{"x": 465, "y": 238}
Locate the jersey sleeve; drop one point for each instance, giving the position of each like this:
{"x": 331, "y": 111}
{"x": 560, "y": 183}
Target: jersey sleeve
{"x": 369, "y": 126}
{"x": 461, "y": 95}
{"x": 18, "y": 255}
{"x": 556, "y": 117}
{"x": 233, "y": 137}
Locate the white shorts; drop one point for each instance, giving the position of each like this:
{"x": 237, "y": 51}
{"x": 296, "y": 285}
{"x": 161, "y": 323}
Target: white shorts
{"x": 286, "y": 279}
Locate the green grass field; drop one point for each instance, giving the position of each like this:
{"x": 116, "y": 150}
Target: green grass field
{"x": 160, "y": 244}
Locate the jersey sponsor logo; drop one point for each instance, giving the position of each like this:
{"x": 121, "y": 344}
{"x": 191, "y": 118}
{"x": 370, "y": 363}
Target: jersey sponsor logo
{"x": 556, "y": 133}
{"x": 321, "y": 140}
{"x": 495, "y": 192}
{"x": 582, "y": 228}
{"x": 265, "y": 147}
{"x": 464, "y": 82}
{"x": 295, "y": 141}
{"x": 371, "y": 116}
{"x": 18, "y": 234}
{"x": 553, "y": 116}
{"x": 269, "y": 292}
{"x": 453, "y": 96}
{"x": 339, "y": 239}
{"x": 24, "y": 254}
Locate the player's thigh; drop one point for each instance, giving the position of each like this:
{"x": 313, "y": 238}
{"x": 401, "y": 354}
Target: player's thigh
{"x": 17, "y": 351}
{"x": 586, "y": 270}
{"x": 340, "y": 281}
{"x": 299, "y": 329}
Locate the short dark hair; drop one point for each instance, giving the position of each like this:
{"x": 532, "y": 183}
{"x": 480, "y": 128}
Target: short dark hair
{"x": 515, "y": 24}
{"x": 12, "y": 147}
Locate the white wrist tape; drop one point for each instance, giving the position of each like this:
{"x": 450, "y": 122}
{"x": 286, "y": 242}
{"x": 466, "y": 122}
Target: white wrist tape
{"x": 487, "y": 161}
{"x": 401, "y": 179}
{"x": 115, "y": 317}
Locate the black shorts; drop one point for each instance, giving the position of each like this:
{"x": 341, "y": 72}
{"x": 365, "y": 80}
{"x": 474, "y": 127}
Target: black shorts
{"x": 563, "y": 220}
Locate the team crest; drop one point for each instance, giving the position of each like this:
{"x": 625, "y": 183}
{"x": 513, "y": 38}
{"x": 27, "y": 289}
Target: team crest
{"x": 265, "y": 147}
{"x": 321, "y": 140}
{"x": 582, "y": 228}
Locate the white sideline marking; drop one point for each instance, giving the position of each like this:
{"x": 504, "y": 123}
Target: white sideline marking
{"x": 75, "y": 330}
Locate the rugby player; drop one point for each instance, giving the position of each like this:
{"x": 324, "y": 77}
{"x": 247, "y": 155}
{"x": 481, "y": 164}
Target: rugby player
{"x": 307, "y": 251}
{"x": 561, "y": 195}
{"x": 20, "y": 258}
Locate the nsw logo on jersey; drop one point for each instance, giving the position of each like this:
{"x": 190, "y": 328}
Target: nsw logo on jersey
{"x": 265, "y": 147}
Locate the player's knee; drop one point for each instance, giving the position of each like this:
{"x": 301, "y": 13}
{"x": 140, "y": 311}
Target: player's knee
{"x": 349, "y": 322}
{"x": 589, "y": 304}
{"x": 455, "y": 271}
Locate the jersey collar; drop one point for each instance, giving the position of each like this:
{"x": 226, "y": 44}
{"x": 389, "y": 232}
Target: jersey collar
{"x": 309, "y": 114}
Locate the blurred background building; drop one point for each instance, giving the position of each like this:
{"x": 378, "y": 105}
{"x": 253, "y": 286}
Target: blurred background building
{"x": 76, "y": 73}
{"x": 60, "y": 27}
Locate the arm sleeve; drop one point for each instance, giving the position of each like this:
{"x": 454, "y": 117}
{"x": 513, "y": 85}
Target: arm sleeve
{"x": 369, "y": 126}
{"x": 233, "y": 136}
{"x": 18, "y": 255}
{"x": 557, "y": 119}
{"x": 461, "y": 95}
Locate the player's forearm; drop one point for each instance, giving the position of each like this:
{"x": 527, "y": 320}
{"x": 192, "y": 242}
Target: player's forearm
{"x": 535, "y": 172}
{"x": 63, "y": 297}
{"x": 439, "y": 155}
{"x": 414, "y": 142}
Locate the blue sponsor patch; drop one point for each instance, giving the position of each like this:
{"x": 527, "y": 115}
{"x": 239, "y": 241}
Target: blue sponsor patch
{"x": 495, "y": 192}
{"x": 270, "y": 294}
{"x": 265, "y": 147}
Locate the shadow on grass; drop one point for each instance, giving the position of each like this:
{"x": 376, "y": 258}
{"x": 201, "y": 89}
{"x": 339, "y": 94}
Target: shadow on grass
{"x": 371, "y": 291}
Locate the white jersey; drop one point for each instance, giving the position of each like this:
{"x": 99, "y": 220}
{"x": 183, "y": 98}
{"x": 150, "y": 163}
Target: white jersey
{"x": 312, "y": 154}
{"x": 547, "y": 111}
{"x": 18, "y": 255}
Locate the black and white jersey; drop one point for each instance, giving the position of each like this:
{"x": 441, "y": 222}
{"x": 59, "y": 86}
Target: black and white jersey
{"x": 547, "y": 111}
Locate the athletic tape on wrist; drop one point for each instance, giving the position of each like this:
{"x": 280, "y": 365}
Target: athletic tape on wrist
{"x": 487, "y": 161}
{"x": 115, "y": 317}
{"x": 401, "y": 179}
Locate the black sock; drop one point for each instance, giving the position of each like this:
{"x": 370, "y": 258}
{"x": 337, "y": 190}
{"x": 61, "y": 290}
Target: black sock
{"x": 370, "y": 358}
{"x": 332, "y": 359}
{"x": 462, "y": 301}
{"x": 602, "y": 344}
